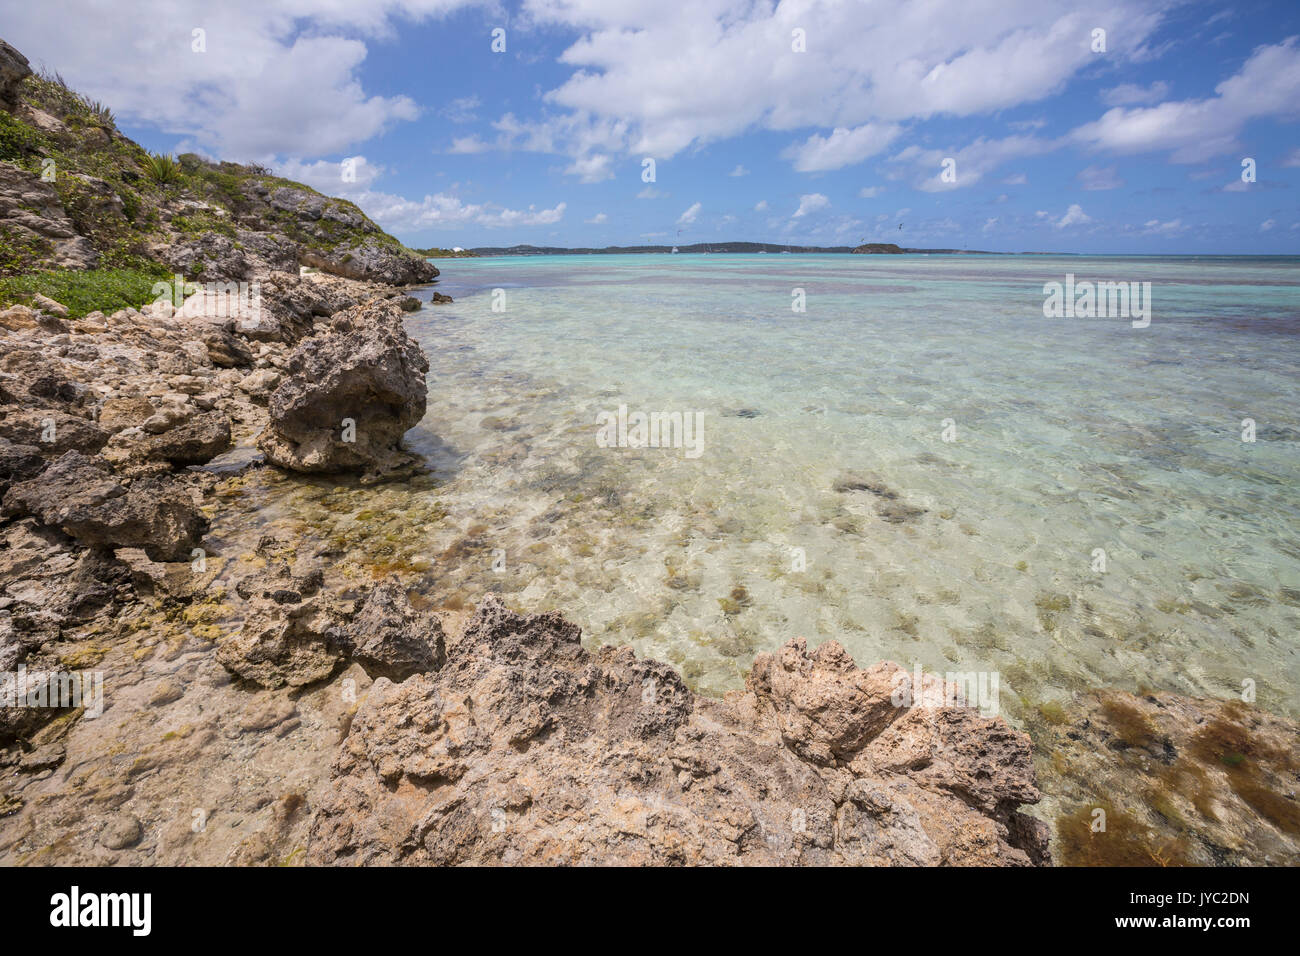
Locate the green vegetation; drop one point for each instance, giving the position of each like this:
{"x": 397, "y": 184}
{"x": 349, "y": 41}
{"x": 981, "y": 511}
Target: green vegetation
{"x": 102, "y": 290}
{"x": 162, "y": 169}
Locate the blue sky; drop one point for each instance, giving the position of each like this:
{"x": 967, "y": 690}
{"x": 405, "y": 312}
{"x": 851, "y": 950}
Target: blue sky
{"x": 1055, "y": 143}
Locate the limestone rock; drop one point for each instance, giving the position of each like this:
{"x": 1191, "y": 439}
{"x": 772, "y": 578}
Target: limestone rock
{"x": 524, "y": 748}
{"x": 391, "y": 639}
{"x": 364, "y": 370}
{"x": 81, "y": 496}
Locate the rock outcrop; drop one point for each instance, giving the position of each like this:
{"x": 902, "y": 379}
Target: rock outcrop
{"x": 523, "y": 748}
{"x": 14, "y": 68}
{"x": 84, "y": 498}
{"x": 349, "y": 394}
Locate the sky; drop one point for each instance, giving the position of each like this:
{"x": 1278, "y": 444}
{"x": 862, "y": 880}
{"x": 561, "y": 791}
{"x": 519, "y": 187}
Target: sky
{"x": 1103, "y": 126}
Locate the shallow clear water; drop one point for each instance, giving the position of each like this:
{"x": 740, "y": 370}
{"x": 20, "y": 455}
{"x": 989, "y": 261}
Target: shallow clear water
{"x": 1071, "y": 435}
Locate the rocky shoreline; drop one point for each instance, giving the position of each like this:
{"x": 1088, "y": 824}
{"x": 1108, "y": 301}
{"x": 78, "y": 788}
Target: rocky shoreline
{"x": 260, "y": 708}
{"x": 483, "y": 737}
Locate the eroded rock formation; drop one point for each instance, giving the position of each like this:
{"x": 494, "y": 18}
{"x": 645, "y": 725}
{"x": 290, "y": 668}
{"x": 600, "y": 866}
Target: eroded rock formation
{"x": 349, "y": 394}
{"x": 525, "y": 748}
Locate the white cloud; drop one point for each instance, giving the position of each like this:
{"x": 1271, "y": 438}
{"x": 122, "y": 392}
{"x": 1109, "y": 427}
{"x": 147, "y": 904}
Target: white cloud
{"x": 971, "y": 163}
{"x": 396, "y": 213}
{"x": 739, "y": 171}
{"x": 1099, "y": 178}
{"x": 761, "y": 206}
{"x": 469, "y": 145}
{"x": 1154, "y": 227}
{"x": 688, "y": 217}
{"x": 810, "y": 203}
{"x": 1074, "y": 216}
{"x": 277, "y": 79}
{"x": 1292, "y": 159}
{"x": 650, "y": 193}
{"x": 1267, "y": 225}
{"x": 646, "y": 84}
{"x": 1128, "y": 94}
{"x": 843, "y": 147}
{"x": 870, "y": 192}
{"x": 592, "y": 169}
{"x": 1268, "y": 84}
{"x": 597, "y": 219}
{"x": 1019, "y": 179}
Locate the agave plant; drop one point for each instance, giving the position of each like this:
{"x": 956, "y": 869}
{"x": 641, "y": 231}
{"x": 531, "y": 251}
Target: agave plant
{"x": 162, "y": 168}
{"x": 100, "y": 113}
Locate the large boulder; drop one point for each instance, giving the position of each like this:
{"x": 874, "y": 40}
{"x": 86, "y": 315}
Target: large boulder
{"x": 525, "y": 748}
{"x": 81, "y": 496}
{"x": 349, "y": 394}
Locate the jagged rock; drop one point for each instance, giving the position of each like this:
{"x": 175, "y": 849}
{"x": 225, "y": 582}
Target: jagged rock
{"x": 439, "y": 298}
{"x": 122, "y": 412}
{"x": 46, "y": 304}
{"x": 81, "y": 496}
{"x": 524, "y": 748}
{"x": 33, "y": 214}
{"x": 372, "y": 260}
{"x": 18, "y": 463}
{"x": 14, "y": 68}
{"x": 52, "y": 431}
{"x": 391, "y": 639}
{"x": 364, "y": 369}
{"x": 226, "y": 351}
{"x": 194, "y": 442}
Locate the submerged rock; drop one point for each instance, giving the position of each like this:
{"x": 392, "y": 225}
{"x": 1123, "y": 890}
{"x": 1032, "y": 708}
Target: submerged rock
{"x": 81, "y": 496}
{"x": 1178, "y": 780}
{"x": 526, "y": 748}
{"x": 348, "y": 396}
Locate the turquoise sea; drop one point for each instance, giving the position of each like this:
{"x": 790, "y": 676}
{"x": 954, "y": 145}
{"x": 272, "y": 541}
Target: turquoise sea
{"x": 920, "y": 465}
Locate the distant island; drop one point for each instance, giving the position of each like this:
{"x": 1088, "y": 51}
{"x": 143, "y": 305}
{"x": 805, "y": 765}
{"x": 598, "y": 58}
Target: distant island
{"x": 454, "y": 253}
{"x": 873, "y": 248}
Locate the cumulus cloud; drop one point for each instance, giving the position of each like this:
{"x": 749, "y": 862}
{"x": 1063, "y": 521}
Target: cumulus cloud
{"x": 592, "y": 169}
{"x": 970, "y": 164}
{"x": 1074, "y": 216}
{"x": 1154, "y": 227}
{"x": 810, "y": 203}
{"x": 843, "y": 147}
{"x": 761, "y": 206}
{"x": 597, "y": 219}
{"x": 275, "y": 79}
{"x": 688, "y": 217}
{"x": 879, "y": 63}
{"x": 1268, "y": 84}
